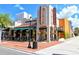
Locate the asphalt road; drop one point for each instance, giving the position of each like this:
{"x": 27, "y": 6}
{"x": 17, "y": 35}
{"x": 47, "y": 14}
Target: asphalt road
{"x": 10, "y": 51}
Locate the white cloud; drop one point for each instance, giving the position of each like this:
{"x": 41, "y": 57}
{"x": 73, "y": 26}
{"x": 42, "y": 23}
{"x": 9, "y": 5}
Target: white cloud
{"x": 19, "y": 6}
{"x": 68, "y": 11}
{"x": 75, "y": 21}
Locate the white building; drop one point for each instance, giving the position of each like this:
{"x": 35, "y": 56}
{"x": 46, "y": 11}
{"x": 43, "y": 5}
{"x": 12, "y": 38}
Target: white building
{"x": 22, "y": 17}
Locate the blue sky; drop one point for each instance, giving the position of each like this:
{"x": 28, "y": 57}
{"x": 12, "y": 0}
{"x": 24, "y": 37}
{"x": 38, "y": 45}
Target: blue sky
{"x": 13, "y": 9}
{"x": 71, "y": 11}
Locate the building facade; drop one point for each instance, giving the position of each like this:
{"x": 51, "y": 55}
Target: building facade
{"x": 22, "y": 17}
{"x": 46, "y": 23}
{"x": 42, "y": 29}
{"x": 65, "y": 24}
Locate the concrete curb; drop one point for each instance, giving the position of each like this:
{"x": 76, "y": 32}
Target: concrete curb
{"x": 18, "y": 50}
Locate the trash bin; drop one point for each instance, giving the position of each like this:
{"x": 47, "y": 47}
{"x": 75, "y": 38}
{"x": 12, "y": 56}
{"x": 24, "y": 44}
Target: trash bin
{"x": 35, "y": 45}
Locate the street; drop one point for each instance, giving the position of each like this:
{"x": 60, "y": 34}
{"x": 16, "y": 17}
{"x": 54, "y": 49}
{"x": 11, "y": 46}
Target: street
{"x": 9, "y": 51}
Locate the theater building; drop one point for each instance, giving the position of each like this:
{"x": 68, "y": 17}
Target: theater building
{"x": 46, "y": 23}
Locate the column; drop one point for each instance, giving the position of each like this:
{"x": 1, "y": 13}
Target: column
{"x": 0, "y": 34}
{"x": 20, "y": 34}
{"x": 10, "y": 34}
{"x": 48, "y": 20}
{"x": 37, "y": 34}
{"x": 26, "y": 35}
{"x": 37, "y": 30}
{"x": 14, "y": 35}
{"x": 48, "y": 34}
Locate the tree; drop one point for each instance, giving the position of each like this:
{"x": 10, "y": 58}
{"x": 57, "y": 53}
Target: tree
{"x": 76, "y": 31}
{"x": 5, "y": 20}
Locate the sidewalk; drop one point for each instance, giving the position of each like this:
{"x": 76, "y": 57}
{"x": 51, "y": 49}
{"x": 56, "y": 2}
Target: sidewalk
{"x": 23, "y": 45}
{"x": 69, "y": 47}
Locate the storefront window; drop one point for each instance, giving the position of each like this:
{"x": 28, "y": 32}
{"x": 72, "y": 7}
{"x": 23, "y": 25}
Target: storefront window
{"x": 43, "y": 35}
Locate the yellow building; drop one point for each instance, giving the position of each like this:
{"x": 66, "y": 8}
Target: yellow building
{"x": 65, "y": 24}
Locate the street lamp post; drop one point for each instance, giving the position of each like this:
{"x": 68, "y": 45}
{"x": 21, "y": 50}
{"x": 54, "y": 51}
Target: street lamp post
{"x": 29, "y": 45}
{"x": 34, "y": 43}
